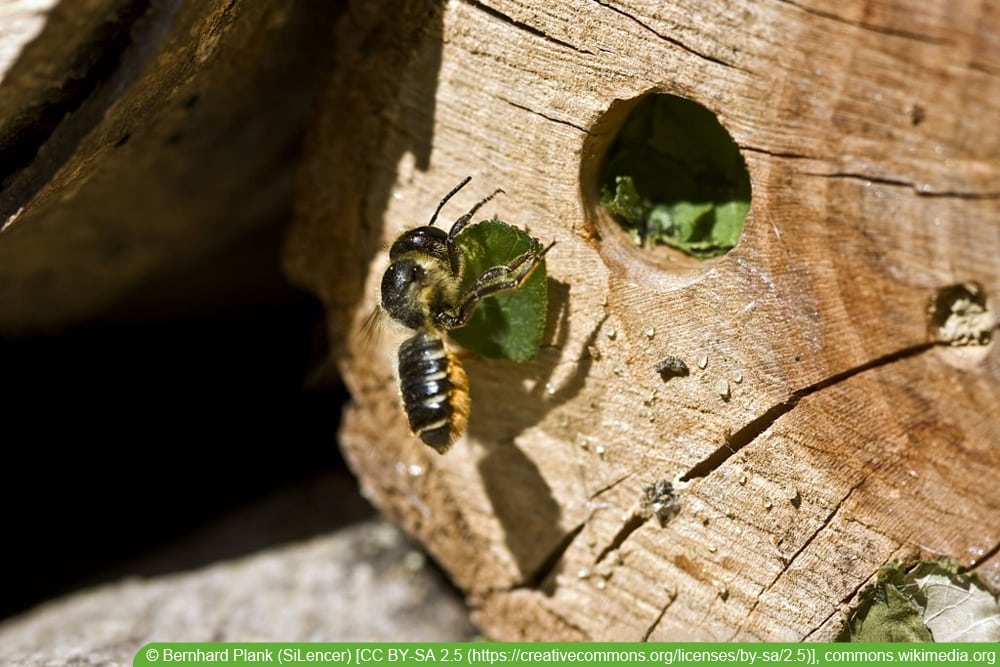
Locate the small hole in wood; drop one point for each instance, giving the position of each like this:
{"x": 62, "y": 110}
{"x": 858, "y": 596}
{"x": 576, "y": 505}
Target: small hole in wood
{"x": 961, "y": 315}
{"x": 665, "y": 186}
{"x": 962, "y": 318}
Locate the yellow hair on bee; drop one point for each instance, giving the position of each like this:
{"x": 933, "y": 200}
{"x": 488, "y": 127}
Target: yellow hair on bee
{"x": 461, "y": 403}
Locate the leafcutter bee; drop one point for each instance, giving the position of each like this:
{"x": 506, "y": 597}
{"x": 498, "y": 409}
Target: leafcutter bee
{"x": 426, "y": 289}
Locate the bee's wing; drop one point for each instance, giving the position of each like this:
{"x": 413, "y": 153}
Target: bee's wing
{"x": 369, "y": 335}
{"x": 363, "y": 341}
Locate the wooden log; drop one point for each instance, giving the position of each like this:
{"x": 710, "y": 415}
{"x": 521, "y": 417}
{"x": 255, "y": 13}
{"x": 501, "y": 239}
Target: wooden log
{"x": 850, "y": 434}
{"x": 139, "y": 138}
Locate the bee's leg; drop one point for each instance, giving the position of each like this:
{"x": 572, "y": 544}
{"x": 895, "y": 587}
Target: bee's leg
{"x": 454, "y": 259}
{"x": 503, "y": 278}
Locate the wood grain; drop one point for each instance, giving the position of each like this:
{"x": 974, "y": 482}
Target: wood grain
{"x": 849, "y": 438}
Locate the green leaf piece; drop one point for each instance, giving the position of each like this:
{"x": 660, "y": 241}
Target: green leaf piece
{"x": 509, "y": 325}
{"x": 675, "y": 176}
{"x": 931, "y": 601}
{"x": 893, "y": 617}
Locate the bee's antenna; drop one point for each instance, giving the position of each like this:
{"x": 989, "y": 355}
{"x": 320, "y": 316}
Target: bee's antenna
{"x": 465, "y": 181}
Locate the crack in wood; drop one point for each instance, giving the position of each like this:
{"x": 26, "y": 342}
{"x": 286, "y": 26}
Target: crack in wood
{"x": 987, "y": 555}
{"x": 755, "y": 428}
{"x": 545, "y": 116}
{"x": 838, "y": 609}
{"x": 610, "y": 485}
{"x": 659, "y": 617}
{"x": 880, "y": 180}
{"x": 798, "y": 552}
{"x": 872, "y": 27}
{"x": 671, "y": 40}
{"x": 548, "y": 565}
{"x": 781, "y": 154}
{"x": 921, "y": 191}
{"x": 632, "y": 524}
{"x": 520, "y": 25}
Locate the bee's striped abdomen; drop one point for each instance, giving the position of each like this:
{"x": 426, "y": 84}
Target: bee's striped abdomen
{"x": 435, "y": 391}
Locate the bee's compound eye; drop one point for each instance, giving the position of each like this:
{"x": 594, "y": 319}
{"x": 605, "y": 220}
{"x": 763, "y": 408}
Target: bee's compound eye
{"x": 400, "y": 276}
{"x": 400, "y": 284}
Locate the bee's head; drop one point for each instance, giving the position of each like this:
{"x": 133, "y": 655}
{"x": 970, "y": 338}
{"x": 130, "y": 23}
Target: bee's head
{"x": 403, "y": 294}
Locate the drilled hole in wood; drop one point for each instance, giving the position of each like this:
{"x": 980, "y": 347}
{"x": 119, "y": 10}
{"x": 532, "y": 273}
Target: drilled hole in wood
{"x": 665, "y": 186}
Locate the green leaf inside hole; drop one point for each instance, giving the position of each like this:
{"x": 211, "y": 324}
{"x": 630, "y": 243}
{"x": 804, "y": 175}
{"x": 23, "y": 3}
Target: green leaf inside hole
{"x": 675, "y": 176}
